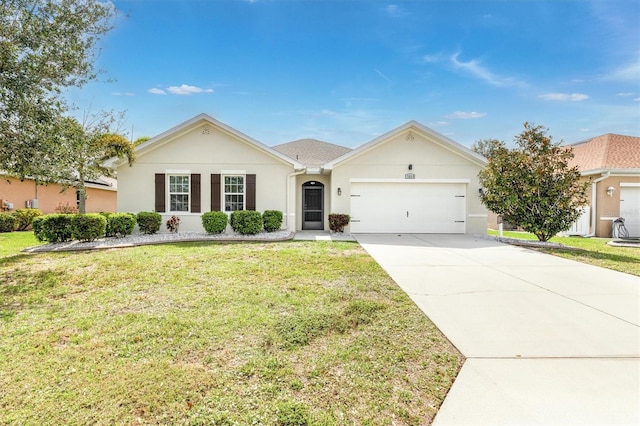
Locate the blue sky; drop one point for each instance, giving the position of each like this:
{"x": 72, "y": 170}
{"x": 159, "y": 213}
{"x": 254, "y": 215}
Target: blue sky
{"x": 347, "y": 71}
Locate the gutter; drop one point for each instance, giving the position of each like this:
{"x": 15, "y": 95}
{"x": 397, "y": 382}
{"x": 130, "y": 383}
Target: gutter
{"x": 594, "y": 202}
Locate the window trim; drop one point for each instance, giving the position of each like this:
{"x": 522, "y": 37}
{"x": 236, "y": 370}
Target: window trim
{"x": 187, "y": 193}
{"x": 223, "y": 192}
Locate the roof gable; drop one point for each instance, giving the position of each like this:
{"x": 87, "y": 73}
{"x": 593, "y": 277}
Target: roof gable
{"x": 181, "y": 129}
{"x": 609, "y": 151}
{"x": 411, "y": 126}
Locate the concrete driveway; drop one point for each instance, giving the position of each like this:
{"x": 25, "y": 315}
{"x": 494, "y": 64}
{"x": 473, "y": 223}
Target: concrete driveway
{"x": 547, "y": 340}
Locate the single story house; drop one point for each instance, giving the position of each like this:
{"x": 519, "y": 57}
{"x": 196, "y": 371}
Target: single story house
{"x": 612, "y": 163}
{"x": 17, "y": 194}
{"x": 410, "y": 179}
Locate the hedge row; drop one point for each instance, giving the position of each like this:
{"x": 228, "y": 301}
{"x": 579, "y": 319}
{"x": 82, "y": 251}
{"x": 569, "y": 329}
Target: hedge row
{"x": 57, "y": 228}
{"x": 20, "y": 220}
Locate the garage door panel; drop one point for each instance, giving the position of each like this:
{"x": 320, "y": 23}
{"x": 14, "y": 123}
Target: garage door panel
{"x": 408, "y": 207}
{"x": 630, "y": 209}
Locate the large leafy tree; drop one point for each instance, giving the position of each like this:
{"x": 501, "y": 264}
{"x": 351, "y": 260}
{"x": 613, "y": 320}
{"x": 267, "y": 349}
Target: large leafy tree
{"x": 532, "y": 185}
{"x": 486, "y": 147}
{"x": 87, "y": 145}
{"x": 45, "y": 47}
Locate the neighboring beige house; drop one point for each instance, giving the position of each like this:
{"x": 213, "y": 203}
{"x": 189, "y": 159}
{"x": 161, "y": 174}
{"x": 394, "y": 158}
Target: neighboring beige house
{"x": 411, "y": 179}
{"x": 101, "y": 195}
{"x": 612, "y": 163}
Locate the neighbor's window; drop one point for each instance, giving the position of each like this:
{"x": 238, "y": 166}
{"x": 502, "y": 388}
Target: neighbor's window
{"x": 233, "y": 193}
{"x": 179, "y": 193}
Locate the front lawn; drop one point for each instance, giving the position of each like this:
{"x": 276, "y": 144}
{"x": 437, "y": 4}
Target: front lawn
{"x": 594, "y": 251}
{"x": 12, "y": 242}
{"x": 218, "y": 334}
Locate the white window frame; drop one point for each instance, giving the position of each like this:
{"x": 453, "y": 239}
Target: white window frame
{"x": 170, "y": 193}
{"x": 225, "y": 193}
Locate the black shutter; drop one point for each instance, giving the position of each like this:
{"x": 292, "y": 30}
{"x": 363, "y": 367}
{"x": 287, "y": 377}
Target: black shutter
{"x": 195, "y": 193}
{"x": 250, "y": 202}
{"x": 161, "y": 205}
{"x": 215, "y": 193}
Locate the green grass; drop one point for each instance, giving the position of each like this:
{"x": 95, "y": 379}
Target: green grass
{"x": 220, "y": 334}
{"x": 594, "y": 251}
{"x": 12, "y": 242}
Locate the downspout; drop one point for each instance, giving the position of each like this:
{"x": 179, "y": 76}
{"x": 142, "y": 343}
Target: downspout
{"x": 594, "y": 202}
{"x": 289, "y": 176}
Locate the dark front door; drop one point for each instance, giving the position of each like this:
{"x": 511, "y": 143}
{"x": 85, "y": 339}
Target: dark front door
{"x": 313, "y": 205}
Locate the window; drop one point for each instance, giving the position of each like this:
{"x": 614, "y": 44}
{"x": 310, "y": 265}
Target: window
{"x": 179, "y": 193}
{"x": 233, "y": 193}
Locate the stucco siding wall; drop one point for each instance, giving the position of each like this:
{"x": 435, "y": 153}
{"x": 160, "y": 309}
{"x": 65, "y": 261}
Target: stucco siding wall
{"x": 391, "y": 159}
{"x": 608, "y": 207}
{"x": 199, "y": 152}
{"x": 100, "y": 200}
{"x": 52, "y": 195}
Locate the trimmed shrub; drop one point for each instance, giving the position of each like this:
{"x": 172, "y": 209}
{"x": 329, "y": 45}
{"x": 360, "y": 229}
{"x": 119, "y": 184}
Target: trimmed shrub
{"x": 149, "y": 222}
{"x": 107, "y": 232}
{"x": 337, "y": 222}
{"x": 36, "y": 225}
{"x": 246, "y": 222}
{"x": 215, "y": 222}
{"x": 56, "y": 228}
{"x": 272, "y": 220}
{"x": 24, "y": 217}
{"x": 7, "y": 222}
{"x": 88, "y": 227}
{"x": 120, "y": 224}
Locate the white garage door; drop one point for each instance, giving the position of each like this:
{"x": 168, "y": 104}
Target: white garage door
{"x": 408, "y": 207}
{"x": 630, "y": 208}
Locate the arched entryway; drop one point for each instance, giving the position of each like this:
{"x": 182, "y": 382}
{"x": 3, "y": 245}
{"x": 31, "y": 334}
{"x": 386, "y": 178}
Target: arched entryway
{"x": 312, "y": 205}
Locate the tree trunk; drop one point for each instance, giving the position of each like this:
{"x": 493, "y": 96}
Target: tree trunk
{"x": 82, "y": 196}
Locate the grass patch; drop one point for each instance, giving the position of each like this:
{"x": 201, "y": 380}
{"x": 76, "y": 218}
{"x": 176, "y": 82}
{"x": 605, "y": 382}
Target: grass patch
{"x": 594, "y": 251}
{"x": 12, "y": 242}
{"x": 206, "y": 333}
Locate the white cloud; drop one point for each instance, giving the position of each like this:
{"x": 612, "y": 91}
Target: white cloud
{"x": 432, "y": 59}
{"x": 573, "y": 97}
{"x": 630, "y": 72}
{"x": 625, "y": 94}
{"x": 474, "y": 68}
{"x": 185, "y": 89}
{"x": 395, "y": 11}
{"x": 637, "y": 99}
{"x": 466, "y": 115}
{"x": 438, "y": 123}
{"x": 122, "y": 94}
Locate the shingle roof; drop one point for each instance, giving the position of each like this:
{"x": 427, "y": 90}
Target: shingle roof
{"x": 608, "y": 151}
{"x": 311, "y": 152}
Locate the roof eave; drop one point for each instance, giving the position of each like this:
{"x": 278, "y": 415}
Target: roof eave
{"x": 613, "y": 171}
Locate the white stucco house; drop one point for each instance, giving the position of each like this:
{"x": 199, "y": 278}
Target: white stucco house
{"x": 411, "y": 179}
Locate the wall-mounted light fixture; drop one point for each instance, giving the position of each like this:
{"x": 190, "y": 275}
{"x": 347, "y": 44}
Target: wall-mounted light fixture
{"x": 410, "y": 166}
{"x": 610, "y": 191}
{"x": 339, "y": 191}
